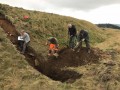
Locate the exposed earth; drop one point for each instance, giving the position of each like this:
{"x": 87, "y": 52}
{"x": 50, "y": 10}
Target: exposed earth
{"x": 55, "y": 68}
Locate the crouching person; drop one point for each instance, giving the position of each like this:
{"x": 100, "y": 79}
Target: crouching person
{"x": 83, "y": 36}
{"x": 53, "y": 46}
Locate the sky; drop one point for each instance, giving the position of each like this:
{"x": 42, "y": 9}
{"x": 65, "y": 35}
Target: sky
{"x": 95, "y": 11}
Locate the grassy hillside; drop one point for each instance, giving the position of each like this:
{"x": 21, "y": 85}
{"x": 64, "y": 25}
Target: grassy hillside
{"x": 17, "y": 74}
{"x": 112, "y": 41}
{"x": 42, "y": 25}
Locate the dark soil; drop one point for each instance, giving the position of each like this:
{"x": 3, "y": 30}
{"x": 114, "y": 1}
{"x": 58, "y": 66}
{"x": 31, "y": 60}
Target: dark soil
{"x": 53, "y": 67}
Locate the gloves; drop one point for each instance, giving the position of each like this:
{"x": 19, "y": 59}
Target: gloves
{"x": 83, "y": 39}
{"x": 71, "y": 35}
{"x": 77, "y": 43}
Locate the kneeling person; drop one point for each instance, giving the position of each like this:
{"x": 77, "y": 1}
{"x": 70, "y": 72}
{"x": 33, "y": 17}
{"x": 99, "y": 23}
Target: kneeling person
{"x": 53, "y": 46}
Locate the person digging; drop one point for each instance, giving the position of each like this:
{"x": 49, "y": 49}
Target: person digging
{"x": 83, "y": 36}
{"x": 72, "y": 36}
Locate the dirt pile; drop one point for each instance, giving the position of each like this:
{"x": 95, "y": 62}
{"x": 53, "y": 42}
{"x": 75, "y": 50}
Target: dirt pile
{"x": 68, "y": 58}
{"x": 54, "y": 68}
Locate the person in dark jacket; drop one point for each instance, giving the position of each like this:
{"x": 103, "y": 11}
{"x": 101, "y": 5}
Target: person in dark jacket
{"x": 72, "y": 35}
{"x": 83, "y": 36}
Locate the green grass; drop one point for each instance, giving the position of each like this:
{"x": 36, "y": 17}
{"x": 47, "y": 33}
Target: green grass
{"x": 15, "y": 72}
{"x": 42, "y": 25}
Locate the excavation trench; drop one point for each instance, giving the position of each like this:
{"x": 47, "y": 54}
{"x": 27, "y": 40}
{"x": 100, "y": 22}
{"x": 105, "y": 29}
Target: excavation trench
{"x": 53, "y": 68}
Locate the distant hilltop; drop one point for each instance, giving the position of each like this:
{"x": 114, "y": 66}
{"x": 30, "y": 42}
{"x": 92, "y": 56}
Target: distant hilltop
{"x": 118, "y": 25}
{"x": 114, "y": 26}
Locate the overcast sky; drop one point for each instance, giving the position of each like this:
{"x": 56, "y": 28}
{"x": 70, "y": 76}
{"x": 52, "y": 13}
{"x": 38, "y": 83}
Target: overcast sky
{"x": 95, "y": 11}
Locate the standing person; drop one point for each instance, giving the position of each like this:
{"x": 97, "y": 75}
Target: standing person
{"x": 20, "y": 42}
{"x": 53, "y": 46}
{"x": 26, "y": 38}
{"x": 72, "y": 35}
{"x": 83, "y": 36}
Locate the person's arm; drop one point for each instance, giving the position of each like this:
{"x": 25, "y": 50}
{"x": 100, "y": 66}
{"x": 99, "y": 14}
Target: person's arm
{"x": 47, "y": 41}
{"x": 86, "y": 36}
{"x": 75, "y": 32}
{"x": 68, "y": 33}
{"x": 24, "y": 36}
{"x": 80, "y": 36}
{"x": 57, "y": 43}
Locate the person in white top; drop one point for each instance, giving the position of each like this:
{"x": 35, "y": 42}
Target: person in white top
{"x": 26, "y": 38}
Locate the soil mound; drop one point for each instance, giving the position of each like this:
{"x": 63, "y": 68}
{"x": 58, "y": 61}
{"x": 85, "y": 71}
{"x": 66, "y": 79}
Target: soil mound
{"x": 55, "y": 67}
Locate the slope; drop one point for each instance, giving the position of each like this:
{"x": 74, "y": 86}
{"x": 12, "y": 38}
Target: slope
{"x": 41, "y": 25}
{"x": 46, "y": 66}
{"x": 16, "y": 73}
{"x": 112, "y": 41}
